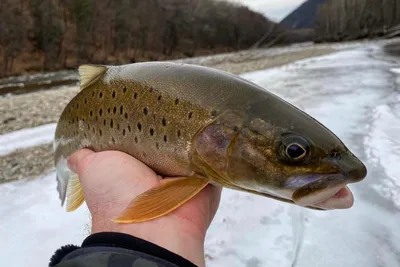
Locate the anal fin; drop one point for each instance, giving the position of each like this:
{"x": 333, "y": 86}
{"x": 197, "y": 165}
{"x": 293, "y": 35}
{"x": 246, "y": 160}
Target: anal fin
{"x": 169, "y": 195}
{"x": 75, "y": 195}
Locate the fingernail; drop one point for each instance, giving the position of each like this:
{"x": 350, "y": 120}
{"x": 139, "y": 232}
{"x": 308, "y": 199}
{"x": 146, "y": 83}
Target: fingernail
{"x": 71, "y": 166}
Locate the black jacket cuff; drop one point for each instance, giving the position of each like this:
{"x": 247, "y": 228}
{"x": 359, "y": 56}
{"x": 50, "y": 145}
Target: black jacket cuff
{"x": 123, "y": 241}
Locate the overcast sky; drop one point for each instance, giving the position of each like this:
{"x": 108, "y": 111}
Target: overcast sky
{"x": 273, "y": 9}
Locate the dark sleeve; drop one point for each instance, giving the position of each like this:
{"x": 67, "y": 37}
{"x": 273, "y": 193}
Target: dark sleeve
{"x": 116, "y": 250}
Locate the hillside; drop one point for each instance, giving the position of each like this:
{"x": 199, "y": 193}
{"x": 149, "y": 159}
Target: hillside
{"x": 304, "y": 16}
{"x": 342, "y": 20}
{"x": 41, "y": 35}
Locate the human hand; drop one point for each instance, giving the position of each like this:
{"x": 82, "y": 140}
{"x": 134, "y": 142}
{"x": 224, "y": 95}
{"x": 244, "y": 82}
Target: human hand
{"x": 111, "y": 179}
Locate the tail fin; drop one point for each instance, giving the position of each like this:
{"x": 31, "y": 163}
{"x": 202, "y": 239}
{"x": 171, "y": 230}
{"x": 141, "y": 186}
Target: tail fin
{"x": 62, "y": 188}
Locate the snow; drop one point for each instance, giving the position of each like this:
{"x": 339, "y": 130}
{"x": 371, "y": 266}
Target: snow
{"x": 26, "y": 138}
{"x": 35, "y": 225}
{"x": 355, "y": 93}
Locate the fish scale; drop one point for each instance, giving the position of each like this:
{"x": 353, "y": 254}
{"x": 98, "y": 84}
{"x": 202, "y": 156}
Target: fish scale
{"x": 144, "y": 115}
{"x": 207, "y": 127}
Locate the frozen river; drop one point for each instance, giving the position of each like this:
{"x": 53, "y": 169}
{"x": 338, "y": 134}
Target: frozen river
{"x": 355, "y": 93}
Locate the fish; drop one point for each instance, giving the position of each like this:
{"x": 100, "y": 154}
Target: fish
{"x": 201, "y": 126}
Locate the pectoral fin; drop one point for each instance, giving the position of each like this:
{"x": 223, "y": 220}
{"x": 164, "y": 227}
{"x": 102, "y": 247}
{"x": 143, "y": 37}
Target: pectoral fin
{"x": 169, "y": 195}
{"x": 75, "y": 195}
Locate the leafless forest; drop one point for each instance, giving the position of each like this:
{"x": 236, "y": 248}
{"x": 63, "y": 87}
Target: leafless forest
{"x": 339, "y": 20}
{"x": 37, "y": 35}
{"x": 40, "y": 35}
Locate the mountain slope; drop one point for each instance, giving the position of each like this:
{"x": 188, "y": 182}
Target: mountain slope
{"x": 304, "y": 16}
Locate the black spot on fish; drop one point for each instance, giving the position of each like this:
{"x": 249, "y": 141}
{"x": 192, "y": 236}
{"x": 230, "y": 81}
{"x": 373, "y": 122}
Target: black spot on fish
{"x": 157, "y": 146}
{"x": 93, "y": 130}
{"x": 190, "y": 115}
{"x": 235, "y": 128}
{"x": 84, "y": 134}
{"x": 88, "y": 126}
{"x": 113, "y": 94}
{"x": 145, "y": 111}
{"x": 164, "y": 122}
{"x": 91, "y": 113}
{"x": 112, "y": 139}
{"x": 151, "y": 131}
{"x": 214, "y": 113}
{"x": 112, "y": 123}
{"x": 92, "y": 94}
{"x": 115, "y": 110}
{"x": 121, "y": 110}
{"x": 124, "y": 89}
{"x": 177, "y": 101}
{"x": 134, "y": 95}
{"x": 129, "y": 128}
{"x": 96, "y": 118}
{"x": 108, "y": 110}
{"x": 100, "y": 132}
{"x": 126, "y": 115}
{"x": 104, "y": 122}
{"x": 151, "y": 89}
{"x": 101, "y": 94}
{"x": 179, "y": 133}
{"x": 136, "y": 140}
{"x": 77, "y": 105}
{"x": 85, "y": 100}
{"x": 123, "y": 132}
{"x": 118, "y": 126}
{"x": 139, "y": 126}
{"x": 159, "y": 98}
{"x": 73, "y": 120}
{"x": 100, "y": 112}
{"x": 165, "y": 139}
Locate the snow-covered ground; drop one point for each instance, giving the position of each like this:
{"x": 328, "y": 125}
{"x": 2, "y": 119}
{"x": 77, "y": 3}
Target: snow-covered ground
{"x": 355, "y": 93}
{"x": 26, "y": 138}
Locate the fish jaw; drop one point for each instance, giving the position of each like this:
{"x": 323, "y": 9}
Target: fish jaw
{"x": 342, "y": 199}
{"x": 337, "y": 197}
{"x": 324, "y": 191}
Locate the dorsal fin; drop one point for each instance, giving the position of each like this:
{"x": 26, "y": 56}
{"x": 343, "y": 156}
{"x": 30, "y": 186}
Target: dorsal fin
{"x": 88, "y": 74}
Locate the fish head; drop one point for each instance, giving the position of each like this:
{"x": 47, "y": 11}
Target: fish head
{"x": 285, "y": 154}
{"x": 293, "y": 156}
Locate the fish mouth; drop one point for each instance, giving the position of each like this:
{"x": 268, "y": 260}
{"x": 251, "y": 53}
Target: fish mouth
{"x": 329, "y": 191}
{"x": 323, "y": 191}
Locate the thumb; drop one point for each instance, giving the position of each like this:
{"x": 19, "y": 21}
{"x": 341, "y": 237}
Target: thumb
{"x": 78, "y": 161}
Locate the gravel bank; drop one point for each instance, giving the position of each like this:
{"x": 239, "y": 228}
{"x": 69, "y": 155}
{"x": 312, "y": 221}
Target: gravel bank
{"x": 38, "y": 108}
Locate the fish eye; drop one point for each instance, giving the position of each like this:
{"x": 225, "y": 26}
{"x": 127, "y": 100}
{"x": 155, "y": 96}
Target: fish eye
{"x": 296, "y": 151}
{"x": 294, "y": 148}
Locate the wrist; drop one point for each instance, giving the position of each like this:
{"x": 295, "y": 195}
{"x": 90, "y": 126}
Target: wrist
{"x": 175, "y": 238}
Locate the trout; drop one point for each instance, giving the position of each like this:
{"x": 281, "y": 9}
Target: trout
{"x": 204, "y": 126}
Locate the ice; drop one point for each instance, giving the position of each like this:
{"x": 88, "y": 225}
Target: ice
{"x": 395, "y": 70}
{"x": 33, "y": 224}
{"x": 25, "y": 138}
{"x": 356, "y": 94}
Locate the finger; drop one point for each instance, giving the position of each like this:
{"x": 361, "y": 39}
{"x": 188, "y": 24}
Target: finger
{"x": 79, "y": 160}
{"x": 215, "y": 199}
